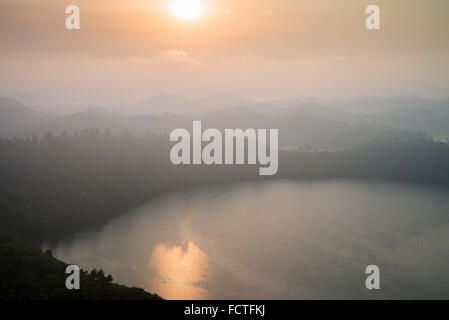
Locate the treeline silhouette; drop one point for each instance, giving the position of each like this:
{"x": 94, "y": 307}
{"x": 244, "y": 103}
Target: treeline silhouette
{"x": 60, "y": 184}
{"x": 409, "y": 161}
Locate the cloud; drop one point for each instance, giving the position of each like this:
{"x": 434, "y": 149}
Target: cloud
{"x": 179, "y": 56}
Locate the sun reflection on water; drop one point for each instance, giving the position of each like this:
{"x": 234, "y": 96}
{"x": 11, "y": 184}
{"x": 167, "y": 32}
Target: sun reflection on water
{"x": 179, "y": 271}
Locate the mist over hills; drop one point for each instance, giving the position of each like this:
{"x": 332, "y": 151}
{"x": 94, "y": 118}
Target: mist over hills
{"x": 155, "y": 105}
{"x": 376, "y": 105}
{"x": 403, "y": 113}
{"x": 320, "y": 124}
{"x": 396, "y": 113}
{"x": 296, "y": 128}
{"x": 16, "y": 118}
{"x": 178, "y": 104}
{"x": 434, "y": 121}
{"x": 64, "y": 183}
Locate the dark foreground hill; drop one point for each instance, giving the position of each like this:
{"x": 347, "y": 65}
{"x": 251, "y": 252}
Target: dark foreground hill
{"x": 28, "y": 273}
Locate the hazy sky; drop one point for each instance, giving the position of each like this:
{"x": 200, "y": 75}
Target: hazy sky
{"x": 130, "y": 50}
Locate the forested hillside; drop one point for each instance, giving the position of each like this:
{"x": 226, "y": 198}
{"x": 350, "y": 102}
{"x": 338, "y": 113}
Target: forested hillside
{"x": 59, "y": 185}
{"x": 27, "y": 273}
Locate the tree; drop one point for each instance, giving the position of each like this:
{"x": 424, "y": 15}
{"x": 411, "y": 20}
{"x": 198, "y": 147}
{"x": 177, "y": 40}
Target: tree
{"x": 100, "y": 274}
{"x": 93, "y": 273}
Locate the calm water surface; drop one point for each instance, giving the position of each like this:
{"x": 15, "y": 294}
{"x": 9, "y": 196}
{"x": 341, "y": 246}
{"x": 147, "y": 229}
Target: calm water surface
{"x": 277, "y": 240}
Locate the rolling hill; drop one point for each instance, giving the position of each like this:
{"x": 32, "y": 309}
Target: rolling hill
{"x": 16, "y": 118}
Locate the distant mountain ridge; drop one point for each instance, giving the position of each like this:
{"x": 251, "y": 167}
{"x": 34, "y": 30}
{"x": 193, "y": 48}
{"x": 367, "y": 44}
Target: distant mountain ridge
{"x": 376, "y": 105}
{"x": 296, "y": 128}
{"x": 342, "y": 125}
{"x": 16, "y": 118}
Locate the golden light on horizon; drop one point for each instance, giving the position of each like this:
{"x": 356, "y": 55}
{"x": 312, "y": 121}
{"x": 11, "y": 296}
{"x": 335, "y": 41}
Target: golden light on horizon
{"x": 187, "y": 9}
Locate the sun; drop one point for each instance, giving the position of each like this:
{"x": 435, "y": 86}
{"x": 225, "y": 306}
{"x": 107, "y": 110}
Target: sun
{"x": 187, "y": 9}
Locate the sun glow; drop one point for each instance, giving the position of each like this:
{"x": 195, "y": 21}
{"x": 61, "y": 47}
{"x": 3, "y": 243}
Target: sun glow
{"x": 181, "y": 270}
{"x": 187, "y": 9}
